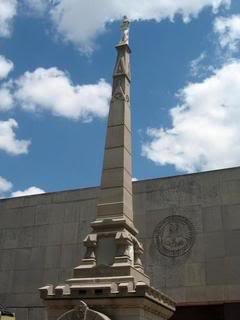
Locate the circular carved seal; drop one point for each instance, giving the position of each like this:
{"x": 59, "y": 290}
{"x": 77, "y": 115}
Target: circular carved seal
{"x": 174, "y": 236}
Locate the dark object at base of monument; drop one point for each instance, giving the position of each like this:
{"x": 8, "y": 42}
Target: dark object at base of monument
{"x": 6, "y": 314}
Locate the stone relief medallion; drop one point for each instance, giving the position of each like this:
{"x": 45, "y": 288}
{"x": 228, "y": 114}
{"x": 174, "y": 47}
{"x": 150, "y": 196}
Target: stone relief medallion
{"x": 174, "y": 236}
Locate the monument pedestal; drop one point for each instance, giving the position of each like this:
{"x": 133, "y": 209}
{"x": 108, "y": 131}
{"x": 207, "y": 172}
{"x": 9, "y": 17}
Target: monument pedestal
{"x": 121, "y": 303}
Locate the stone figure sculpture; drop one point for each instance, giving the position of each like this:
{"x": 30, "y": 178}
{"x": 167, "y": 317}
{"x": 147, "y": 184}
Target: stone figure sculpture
{"x": 125, "y": 30}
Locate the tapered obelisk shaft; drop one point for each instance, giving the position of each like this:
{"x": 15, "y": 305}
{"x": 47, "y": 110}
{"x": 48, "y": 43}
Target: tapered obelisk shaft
{"x": 115, "y": 198}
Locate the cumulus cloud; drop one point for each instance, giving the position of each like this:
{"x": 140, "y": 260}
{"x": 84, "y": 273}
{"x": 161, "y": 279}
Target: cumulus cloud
{"x": 6, "y": 99}
{"x": 5, "y": 67}
{"x": 5, "y": 186}
{"x": 28, "y": 192}
{"x": 81, "y": 21}
{"x": 8, "y": 9}
{"x": 205, "y": 129}
{"x": 52, "y": 90}
{"x": 228, "y": 30}
{"x": 8, "y": 141}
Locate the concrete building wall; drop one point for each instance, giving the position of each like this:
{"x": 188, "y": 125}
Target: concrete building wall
{"x": 194, "y": 256}
{"x": 41, "y": 241}
{"x": 210, "y": 270}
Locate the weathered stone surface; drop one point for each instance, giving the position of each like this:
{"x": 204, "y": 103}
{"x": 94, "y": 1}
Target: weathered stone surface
{"x": 215, "y": 272}
{"x": 214, "y": 245}
{"x": 212, "y": 219}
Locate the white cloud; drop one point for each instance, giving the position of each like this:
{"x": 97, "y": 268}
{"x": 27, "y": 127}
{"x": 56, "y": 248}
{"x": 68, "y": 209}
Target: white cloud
{"x": 228, "y": 30}
{"x": 27, "y": 192}
{"x": 6, "y": 99}
{"x": 37, "y": 6}
{"x": 81, "y": 21}
{"x": 195, "y": 63}
{"x": 6, "y": 66}
{"x": 205, "y": 130}
{"x": 8, "y": 141}
{"x": 5, "y": 186}
{"x": 8, "y": 9}
{"x": 52, "y": 90}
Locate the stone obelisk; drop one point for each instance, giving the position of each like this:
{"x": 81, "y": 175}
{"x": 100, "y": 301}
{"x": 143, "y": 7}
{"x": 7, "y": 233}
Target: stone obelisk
{"x": 110, "y": 277}
{"x": 115, "y": 199}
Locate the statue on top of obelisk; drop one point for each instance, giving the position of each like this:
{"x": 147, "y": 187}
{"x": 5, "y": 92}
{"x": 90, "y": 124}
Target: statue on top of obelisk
{"x": 125, "y": 30}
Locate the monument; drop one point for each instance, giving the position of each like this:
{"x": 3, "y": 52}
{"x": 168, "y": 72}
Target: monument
{"x": 110, "y": 282}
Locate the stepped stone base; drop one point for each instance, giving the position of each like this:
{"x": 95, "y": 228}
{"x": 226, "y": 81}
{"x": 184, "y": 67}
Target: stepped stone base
{"x": 108, "y": 273}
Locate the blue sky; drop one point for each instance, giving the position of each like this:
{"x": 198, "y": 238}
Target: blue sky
{"x": 56, "y": 62}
